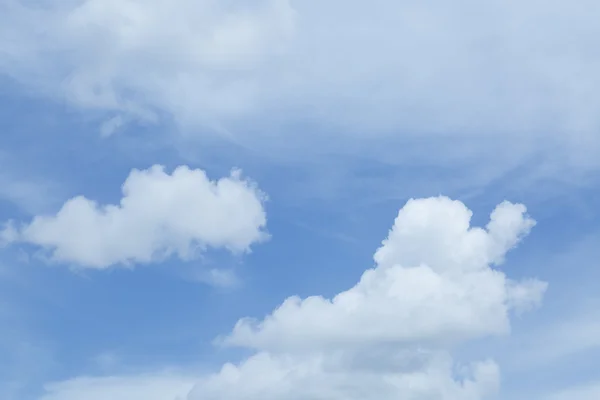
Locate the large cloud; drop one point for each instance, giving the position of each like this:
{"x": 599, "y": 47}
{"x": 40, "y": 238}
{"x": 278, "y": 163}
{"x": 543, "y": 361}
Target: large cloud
{"x": 391, "y": 336}
{"x": 505, "y": 67}
{"x": 432, "y": 284}
{"x": 160, "y": 214}
{"x": 195, "y": 59}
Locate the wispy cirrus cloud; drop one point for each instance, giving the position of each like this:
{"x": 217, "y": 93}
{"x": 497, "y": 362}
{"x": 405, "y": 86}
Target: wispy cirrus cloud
{"x": 485, "y": 88}
{"x": 499, "y": 68}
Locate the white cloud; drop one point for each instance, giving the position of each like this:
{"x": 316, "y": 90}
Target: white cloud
{"x": 160, "y": 214}
{"x": 432, "y": 285}
{"x": 274, "y": 377}
{"x": 522, "y": 69}
{"x": 225, "y": 278}
{"x": 164, "y": 386}
{"x": 190, "y": 58}
{"x": 391, "y": 336}
{"x": 110, "y": 126}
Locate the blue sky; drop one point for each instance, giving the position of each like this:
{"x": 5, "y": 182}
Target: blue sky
{"x": 212, "y": 200}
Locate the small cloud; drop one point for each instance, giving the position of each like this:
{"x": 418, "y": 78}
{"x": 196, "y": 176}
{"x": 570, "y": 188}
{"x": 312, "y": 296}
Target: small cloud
{"x": 109, "y": 127}
{"x": 160, "y": 214}
{"x": 223, "y": 278}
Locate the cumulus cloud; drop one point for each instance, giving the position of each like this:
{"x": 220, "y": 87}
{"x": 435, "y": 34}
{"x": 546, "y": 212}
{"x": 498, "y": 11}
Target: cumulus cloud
{"x": 160, "y": 214}
{"x": 434, "y": 286}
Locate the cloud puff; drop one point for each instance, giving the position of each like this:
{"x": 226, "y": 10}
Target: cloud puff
{"x": 391, "y": 336}
{"x": 432, "y": 284}
{"x": 160, "y": 214}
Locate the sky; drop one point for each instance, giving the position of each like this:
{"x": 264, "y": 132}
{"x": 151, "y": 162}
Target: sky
{"x": 300, "y": 200}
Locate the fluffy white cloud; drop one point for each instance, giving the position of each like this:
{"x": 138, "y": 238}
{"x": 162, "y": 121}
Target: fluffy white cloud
{"x": 432, "y": 284}
{"x": 391, "y": 336}
{"x": 160, "y": 214}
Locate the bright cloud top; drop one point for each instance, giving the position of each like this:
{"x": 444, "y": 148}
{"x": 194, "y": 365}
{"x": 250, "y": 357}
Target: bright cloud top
{"x": 432, "y": 284}
{"x": 391, "y": 336}
{"x": 160, "y": 214}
